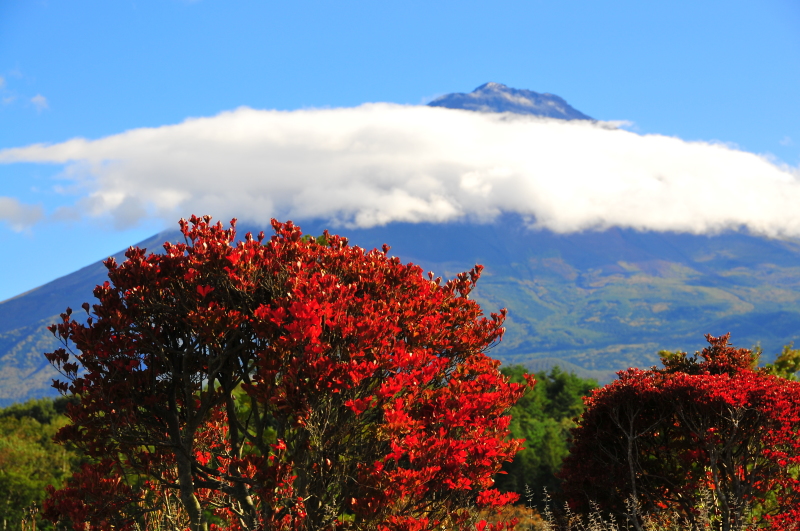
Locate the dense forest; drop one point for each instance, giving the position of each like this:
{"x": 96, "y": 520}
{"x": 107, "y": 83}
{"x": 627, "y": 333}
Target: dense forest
{"x": 30, "y": 460}
{"x": 544, "y": 418}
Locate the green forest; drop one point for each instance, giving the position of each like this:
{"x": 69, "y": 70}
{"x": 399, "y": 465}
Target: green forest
{"x": 30, "y": 460}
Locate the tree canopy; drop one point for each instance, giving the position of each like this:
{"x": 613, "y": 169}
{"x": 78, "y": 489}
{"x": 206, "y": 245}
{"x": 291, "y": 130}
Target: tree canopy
{"x": 544, "y": 418}
{"x": 705, "y": 435}
{"x": 283, "y": 383}
{"x": 29, "y": 460}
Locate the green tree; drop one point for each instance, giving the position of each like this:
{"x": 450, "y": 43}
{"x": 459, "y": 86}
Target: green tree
{"x": 29, "y": 459}
{"x": 43, "y": 410}
{"x": 543, "y": 417}
{"x": 786, "y": 365}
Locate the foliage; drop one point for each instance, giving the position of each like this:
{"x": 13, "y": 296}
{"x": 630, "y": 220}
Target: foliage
{"x": 786, "y": 365}
{"x": 42, "y": 410}
{"x": 281, "y": 384}
{"x": 543, "y": 418}
{"x": 29, "y": 460}
{"x": 662, "y": 438}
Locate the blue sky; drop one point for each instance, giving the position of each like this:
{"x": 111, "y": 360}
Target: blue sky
{"x": 711, "y": 71}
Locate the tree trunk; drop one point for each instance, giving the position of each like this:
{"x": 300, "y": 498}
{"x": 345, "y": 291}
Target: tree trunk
{"x": 188, "y": 498}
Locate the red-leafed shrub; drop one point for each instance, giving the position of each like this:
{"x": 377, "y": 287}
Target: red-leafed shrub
{"x": 706, "y": 436}
{"x": 282, "y": 384}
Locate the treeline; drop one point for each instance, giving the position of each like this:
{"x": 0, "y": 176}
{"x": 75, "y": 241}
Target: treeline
{"x": 30, "y": 460}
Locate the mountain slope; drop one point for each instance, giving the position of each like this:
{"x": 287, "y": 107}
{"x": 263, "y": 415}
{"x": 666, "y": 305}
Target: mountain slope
{"x": 24, "y": 372}
{"x": 608, "y": 300}
{"x": 594, "y": 302}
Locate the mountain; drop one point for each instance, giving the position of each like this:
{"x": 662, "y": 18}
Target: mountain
{"x": 599, "y": 302}
{"x": 24, "y": 373}
{"x": 592, "y": 302}
{"x": 496, "y": 97}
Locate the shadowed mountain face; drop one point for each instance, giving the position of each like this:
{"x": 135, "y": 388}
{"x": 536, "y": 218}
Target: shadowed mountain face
{"x": 494, "y": 97}
{"x": 24, "y": 372}
{"x": 604, "y": 301}
{"x": 592, "y": 302}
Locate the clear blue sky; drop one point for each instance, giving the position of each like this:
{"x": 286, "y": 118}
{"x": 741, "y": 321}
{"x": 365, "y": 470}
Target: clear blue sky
{"x": 712, "y": 70}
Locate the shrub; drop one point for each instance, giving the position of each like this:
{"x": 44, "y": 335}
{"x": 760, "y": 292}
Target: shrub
{"x": 664, "y": 438}
{"x": 287, "y": 384}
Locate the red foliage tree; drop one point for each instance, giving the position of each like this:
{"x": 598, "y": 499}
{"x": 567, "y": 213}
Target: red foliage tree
{"x": 281, "y": 384}
{"x": 705, "y": 433}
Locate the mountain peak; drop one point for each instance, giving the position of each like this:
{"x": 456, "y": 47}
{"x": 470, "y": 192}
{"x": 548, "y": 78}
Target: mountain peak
{"x": 496, "y": 97}
{"x": 491, "y": 85}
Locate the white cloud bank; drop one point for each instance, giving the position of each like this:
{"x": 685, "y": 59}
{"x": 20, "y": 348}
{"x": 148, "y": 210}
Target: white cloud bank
{"x": 379, "y": 163}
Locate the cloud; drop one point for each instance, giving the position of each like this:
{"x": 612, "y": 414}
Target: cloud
{"x": 19, "y": 216}
{"x": 40, "y": 102}
{"x": 379, "y": 163}
{"x": 785, "y": 141}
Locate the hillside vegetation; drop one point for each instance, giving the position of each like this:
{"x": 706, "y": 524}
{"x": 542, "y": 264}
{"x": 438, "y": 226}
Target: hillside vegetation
{"x": 30, "y": 460}
{"x": 593, "y": 303}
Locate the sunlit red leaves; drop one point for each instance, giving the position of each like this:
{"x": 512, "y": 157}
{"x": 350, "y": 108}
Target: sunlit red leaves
{"x": 96, "y": 494}
{"x": 306, "y": 332}
{"x": 494, "y": 498}
{"x": 705, "y": 422}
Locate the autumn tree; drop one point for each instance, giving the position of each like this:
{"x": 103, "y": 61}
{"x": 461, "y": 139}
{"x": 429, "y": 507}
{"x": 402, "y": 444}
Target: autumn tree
{"x": 705, "y": 433}
{"x": 283, "y": 383}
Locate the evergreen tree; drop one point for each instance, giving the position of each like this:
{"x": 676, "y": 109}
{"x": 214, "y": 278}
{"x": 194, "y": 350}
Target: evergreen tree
{"x": 544, "y": 418}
